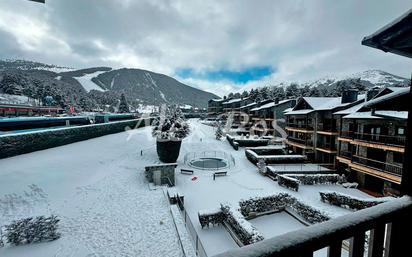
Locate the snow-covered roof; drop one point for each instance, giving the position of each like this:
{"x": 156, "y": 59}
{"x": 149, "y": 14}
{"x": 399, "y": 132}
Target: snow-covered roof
{"x": 392, "y": 114}
{"x": 288, "y": 110}
{"x": 361, "y": 115}
{"x": 350, "y": 110}
{"x": 396, "y": 93}
{"x": 236, "y": 100}
{"x": 297, "y": 112}
{"x": 217, "y": 100}
{"x": 270, "y": 105}
{"x": 328, "y": 103}
{"x": 248, "y": 105}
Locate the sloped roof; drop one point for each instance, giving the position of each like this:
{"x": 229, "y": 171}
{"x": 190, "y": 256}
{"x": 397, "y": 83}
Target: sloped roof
{"x": 394, "y": 94}
{"x": 248, "y": 105}
{"x": 378, "y": 115}
{"x": 271, "y": 104}
{"x": 396, "y": 37}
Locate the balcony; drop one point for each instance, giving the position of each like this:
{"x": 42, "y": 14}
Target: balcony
{"x": 328, "y": 127}
{"x": 382, "y": 139}
{"x": 385, "y": 224}
{"x": 307, "y": 142}
{"x": 345, "y": 154}
{"x": 381, "y": 166}
{"x": 398, "y": 140}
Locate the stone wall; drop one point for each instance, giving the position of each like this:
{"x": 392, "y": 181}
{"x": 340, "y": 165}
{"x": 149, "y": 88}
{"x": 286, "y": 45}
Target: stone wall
{"x": 12, "y": 145}
{"x": 167, "y": 173}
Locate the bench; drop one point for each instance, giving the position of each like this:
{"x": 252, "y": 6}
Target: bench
{"x": 220, "y": 173}
{"x": 188, "y": 172}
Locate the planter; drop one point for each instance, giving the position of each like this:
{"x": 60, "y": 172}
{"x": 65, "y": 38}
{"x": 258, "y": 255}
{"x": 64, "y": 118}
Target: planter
{"x": 168, "y": 150}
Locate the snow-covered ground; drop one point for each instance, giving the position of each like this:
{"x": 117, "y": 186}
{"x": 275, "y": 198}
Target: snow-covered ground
{"x": 98, "y": 189}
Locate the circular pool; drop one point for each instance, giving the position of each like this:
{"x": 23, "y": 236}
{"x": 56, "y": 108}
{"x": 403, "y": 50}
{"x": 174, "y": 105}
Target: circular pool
{"x": 209, "y": 160}
{"x": 208, "y": 163}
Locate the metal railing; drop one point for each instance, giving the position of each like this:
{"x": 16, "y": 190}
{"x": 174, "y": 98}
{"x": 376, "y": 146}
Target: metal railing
{"x": 346, "y": 154}
{"x": 386, "y": 223}
{"x": 307, "y": 142}
{"x": 382, "y": 166}
{"x": 383, "y": 139}
{"x": 300, "y": 125}
{"x": 226, "y": 157}
{"x": 200, "y": 250}
{"x": 398, "y": 140}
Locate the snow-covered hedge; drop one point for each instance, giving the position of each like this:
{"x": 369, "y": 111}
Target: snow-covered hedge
{"x": 278, "y": 203}
{"x": 232, "y": 142}
{"x": 349, "y": 202}
{"x": 31, "y": 230}
{"x": 288, "y": 182}
{"x": 211, "y": 217}
{"x": 309, "y": 213}
{"x": 244, "y": 230}
{"x": 263, "y": 204}
{"x": 317, "y": 179}
{"x": 253, "y": 157}
{"x": 12, "y": 145}
{"x": 246, "y": 142}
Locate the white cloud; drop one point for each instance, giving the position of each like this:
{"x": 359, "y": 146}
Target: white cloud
{"x": 298, "y": 39}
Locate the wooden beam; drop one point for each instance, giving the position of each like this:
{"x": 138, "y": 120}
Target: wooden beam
{"x": 376, "y": 173}
{"x": 399, "y": 149}
{"x": 303, "y": 130}
{"x": 328, "y": 133}
{"x": 406, "y": 186}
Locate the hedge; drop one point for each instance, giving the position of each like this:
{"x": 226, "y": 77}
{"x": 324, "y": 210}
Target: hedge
{"x": 288, "y": 182}
{"x": 12, "y": 145}
{"x": 349, "y": 202}
{"x": 317, "y": 179}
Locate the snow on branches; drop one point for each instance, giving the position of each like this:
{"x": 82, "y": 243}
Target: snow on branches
{"x": 31, "y": 230}
{"x": 171, "y": 124}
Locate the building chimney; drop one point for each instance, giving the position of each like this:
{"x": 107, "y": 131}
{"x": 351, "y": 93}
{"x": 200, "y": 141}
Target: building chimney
{"x": 276, "y": 100}
{"x": 349, "y": 96}
{"x": 372, "y": 92}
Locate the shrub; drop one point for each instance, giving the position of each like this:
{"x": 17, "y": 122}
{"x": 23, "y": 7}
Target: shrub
{"x": 349, "y": 202}
{"x": 288, "y": 182}
{"x": 171, "y": 125}
{"x": 32, "y": 230}
{"x": 211, "y": 217}
{"x": 244, "y": 230}
{"x": 317, "y": 179}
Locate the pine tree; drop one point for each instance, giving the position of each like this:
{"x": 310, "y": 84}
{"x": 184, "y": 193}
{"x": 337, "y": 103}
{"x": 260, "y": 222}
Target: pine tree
{"x": 219, "y": 132}
{"x": 123, "y": 106}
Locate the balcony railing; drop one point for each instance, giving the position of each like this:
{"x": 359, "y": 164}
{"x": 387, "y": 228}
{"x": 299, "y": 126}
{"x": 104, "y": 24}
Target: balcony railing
{"x": 307, "y": 142}
{"x": 326, "y": 127}
{"x": 346, "y": 154}
{"x": 384, "y": 139}
{"x": 377, "y": 138}
{"x": 382, "y": 166}
{"x": 326, "y": 146}
{"x": 385, "y": 223}
{"x": 300, "y": 125}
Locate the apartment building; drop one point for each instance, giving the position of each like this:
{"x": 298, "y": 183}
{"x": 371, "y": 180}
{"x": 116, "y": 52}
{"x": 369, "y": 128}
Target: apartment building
{"x": 215, "y": 107}
{"x": 265, "y": 117}
{"x": 311, "y": 127}
{"x": 371, "y": 141}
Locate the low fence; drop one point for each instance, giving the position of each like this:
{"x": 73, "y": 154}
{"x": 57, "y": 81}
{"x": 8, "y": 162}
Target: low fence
{"x": 218, "y": 155}
{"x": 200, "y": 250}
{"x": 12, "y": 145}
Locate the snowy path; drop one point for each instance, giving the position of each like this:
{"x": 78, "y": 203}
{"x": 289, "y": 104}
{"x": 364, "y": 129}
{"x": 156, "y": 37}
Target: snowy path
{"x": 98, "y": 189}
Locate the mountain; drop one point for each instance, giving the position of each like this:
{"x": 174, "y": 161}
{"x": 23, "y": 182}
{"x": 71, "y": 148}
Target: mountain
{"x": 97, "y": 86}
{"x": 366, "y": 79}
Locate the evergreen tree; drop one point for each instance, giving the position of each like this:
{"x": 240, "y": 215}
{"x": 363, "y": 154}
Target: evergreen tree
{"x": 219, "y": 132}
{"x": 123, "y": 106}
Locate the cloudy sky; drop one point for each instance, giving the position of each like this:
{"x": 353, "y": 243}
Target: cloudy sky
{"x": 215, "y": 45}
